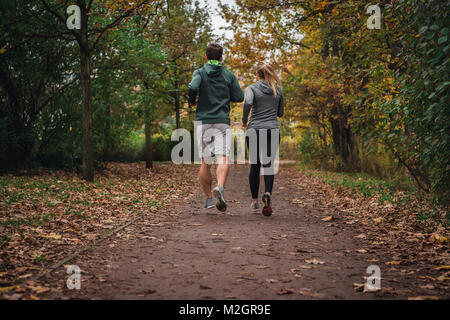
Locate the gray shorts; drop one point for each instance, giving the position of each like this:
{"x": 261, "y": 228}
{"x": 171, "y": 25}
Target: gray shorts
{"x": 213, "y": 139}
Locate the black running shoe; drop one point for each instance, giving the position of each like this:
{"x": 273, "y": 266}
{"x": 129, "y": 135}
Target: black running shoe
{"x": 267, "y": 210}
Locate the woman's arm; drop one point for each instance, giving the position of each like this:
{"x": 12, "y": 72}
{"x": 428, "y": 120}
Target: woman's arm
{"x": 281, "y": 104}
{"x": 248, "y": 103}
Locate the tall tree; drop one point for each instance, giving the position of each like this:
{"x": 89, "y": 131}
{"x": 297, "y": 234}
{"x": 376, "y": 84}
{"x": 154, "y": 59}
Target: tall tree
{"x": 87, "y": 38}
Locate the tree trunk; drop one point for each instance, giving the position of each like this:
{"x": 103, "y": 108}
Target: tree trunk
{"x": 177, "y": 105}
{"x": 191, "y": 115}
{"x": 85, "y": 79}
{"x": 107, "y": 145}
{"x": 342, "y": 137}
{"x": 148, "y": 140}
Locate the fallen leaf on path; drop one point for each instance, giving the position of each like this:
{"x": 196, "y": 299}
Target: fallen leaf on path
{"x": 15, "y": 296}
{"x": 426, "y": 278}
{"x": 360, "y": 236}
{"x": 202, "y": 287}
{"x": 427, "y": 286}
{"x": 362, "y": 251}
{"x": 443, "y": 278}
{"x": 285, "y": 291}
{"x": 326, "y": 219}
{"x": 39, "y": 289}
{"x": 394, "y": 262}
{"x": 52, "y": 235}
{"x": 358, "y": 287}
{"x": 146, "y": 271}
{"x": 378, "y": 220}
{"x": 261, "y": 267}
{"x": 314, "y": 261}
{"x": 309, "y": 292}
{"x": 6, "y": 289}
{"x": 149, "y": 291}
{"x": 271, "y": 280}
{"x": 424, "y": 298}
{"x": 438, "y": 238}
{"x": 446, "y": 267}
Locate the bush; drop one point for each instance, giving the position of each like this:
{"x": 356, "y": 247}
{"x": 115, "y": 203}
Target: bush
{"x": 313, "y": 152}
{"x": 162, "y": 148}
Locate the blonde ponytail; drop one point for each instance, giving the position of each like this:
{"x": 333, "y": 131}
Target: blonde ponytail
{"x": 268, "y": 74}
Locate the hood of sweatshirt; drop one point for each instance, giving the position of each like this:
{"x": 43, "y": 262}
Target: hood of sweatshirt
{"x": 264, "y": 87}
{"x": 212, "y": 70}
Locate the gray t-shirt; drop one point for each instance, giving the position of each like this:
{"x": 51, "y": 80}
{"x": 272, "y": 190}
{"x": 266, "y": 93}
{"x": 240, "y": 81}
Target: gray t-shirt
{"x": 265, "y": 106}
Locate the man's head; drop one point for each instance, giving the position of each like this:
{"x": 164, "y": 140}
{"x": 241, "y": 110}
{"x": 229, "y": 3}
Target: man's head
{"x": 214, "y": 52}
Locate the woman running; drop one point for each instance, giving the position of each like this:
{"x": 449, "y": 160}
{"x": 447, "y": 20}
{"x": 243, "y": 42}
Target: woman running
{"x": 265, "y": 99}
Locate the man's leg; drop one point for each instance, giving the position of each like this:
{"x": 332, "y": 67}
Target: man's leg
{"x": 222, "y": 147}
{"x": 222, "y": 170}
{"x": 222, "y": 173}
{"x": 206, "y": 178}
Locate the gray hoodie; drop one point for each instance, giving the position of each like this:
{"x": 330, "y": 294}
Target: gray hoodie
{"x": 265, "y": 106}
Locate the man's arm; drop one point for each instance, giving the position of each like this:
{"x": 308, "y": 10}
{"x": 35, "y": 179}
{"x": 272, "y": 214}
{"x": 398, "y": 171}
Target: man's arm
{"x": 249, "y": 99}
{"x": 236, "y": 94}
{"x": 194, "y": 87}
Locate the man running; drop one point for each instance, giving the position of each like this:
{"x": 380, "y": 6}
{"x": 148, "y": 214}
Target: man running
{"x": 215, "y": 87}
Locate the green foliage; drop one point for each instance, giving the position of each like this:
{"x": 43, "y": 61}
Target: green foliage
{"x": 312, "y": 152}
{"x": 162, "y": 148}
{"x": 418, "y": 120}
{"x": 35, "y": 81}
{"x": 363, "y": 100}
{"x": 140, "y": 70}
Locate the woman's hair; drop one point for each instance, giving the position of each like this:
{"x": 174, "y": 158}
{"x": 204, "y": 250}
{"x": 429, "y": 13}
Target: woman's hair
{"x": 268, "y": 74}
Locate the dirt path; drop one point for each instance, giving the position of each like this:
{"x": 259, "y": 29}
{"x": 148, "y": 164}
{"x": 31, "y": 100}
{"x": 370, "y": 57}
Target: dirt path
{"x": 199, "y": 254}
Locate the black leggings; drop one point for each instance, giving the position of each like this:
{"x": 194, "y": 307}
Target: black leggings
{"x": 255, "y": 163}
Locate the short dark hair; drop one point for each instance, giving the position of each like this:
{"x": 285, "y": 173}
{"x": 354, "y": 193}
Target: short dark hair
{"x": 214, "y": 51}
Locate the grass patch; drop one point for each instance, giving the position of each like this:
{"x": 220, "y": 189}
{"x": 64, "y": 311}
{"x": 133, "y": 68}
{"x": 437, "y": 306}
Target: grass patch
{"x": 403, "y": 195}
{"x": 359, "y": 183}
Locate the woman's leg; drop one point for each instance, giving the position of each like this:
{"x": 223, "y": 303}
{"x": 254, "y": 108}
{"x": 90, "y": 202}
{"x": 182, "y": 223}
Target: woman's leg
{"x": 254, "y": 180}
{"x": 255, "y": 169}
{"x": 268, "y": 181}
{"x": 269, "y": 177}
